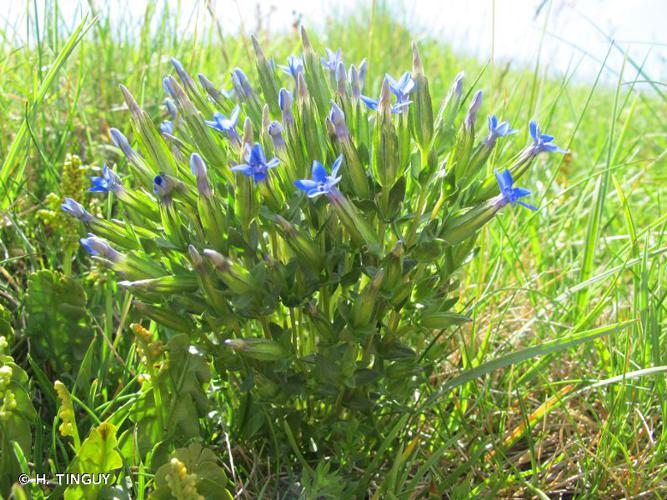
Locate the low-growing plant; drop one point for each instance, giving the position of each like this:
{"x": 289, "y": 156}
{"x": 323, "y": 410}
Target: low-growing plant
{"x": 306, "y": 239}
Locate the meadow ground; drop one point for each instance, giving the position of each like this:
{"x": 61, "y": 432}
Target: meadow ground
{"x": 586, "y": 421}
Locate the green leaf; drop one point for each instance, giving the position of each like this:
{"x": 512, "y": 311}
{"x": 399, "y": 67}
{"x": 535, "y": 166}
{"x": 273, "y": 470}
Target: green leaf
{"x": 57, "y": 319}
{"x": 192, "y": 471}
{"x": 523, "y": 355}
{"x": 97, "y": 454}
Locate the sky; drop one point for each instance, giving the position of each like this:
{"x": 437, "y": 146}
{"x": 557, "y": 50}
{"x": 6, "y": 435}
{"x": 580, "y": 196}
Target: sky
{"x": 577, "y": 34}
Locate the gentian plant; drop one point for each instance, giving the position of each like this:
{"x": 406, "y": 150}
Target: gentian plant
{"x": 306, "y": 244}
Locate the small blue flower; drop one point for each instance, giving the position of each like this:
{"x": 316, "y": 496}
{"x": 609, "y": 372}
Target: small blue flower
{"x": 321, "y": 183}
{"x": 402, "y": 87}
{"x": 374, "y": 103}
{"x": 508, "y": 193}
{"x": 226, "y": 125}
{"x": 75, "y": 209}
{"x": 108, "y": 182}
{"x": 542, "y": 142}
{"x": 332, "y": 59}
{"x": 294, "y": 66}
{"x": 100, "y": 247}
{"x": 167, "y": 127}
{"x": 497, "y": 130}
{"x": 257, "y": 166}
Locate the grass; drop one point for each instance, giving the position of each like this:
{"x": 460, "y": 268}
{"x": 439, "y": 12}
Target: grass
{"x": 532, "y": 415}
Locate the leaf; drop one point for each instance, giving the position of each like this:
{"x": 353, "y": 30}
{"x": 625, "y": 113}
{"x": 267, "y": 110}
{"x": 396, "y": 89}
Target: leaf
{"x": 57, "y": 319}
{"x": 179, "y": 386}
{"x": 97, "y": 454}
{"x": 15, "y": 425}
{"x": 522, "y": 355}
{"x": 191, "y": 471}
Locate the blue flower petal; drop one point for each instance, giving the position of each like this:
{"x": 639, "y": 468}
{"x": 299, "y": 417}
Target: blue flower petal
{"x": 319, "y": 172}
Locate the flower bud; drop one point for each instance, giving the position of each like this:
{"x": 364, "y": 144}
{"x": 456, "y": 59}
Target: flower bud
{"x": 99, "y": 247}
{"x": 364, "y": 305}
{"x": 248, "y": 135}
{"x": 183, "y": 283}
{"x": 75, "y": 209}
{"x": 261, "y": 349}
{"x": 198, "y": 168}
{"x": 166, "y": 317}
{"x": 475, "y": 104}
{"x": 302, "y": 246}
{"x": 285, "y": 103}
{"x": 422, "y": 109}
{"x": 149, "y": 136}
{"x": 275, "y": 130}
{"x": 121, "y": 142}
{"x": 355, "y": 84}
{"x": 341, "y": 78}
{"x": 212, "y": 91}
{"x": 460, "y": 227}
{"x": 267, "y": 76}
{"x": 232, "y": 274}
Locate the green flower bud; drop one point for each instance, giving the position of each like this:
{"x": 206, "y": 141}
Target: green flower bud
{"x": 267, "y": 77}
{"x": 364, "y": 305}
{"x": 175, "y": 283}
{"x": 304, "y": 247}
{"x": 167, "y": 317}
{"x": 149, "y": 136}
{"x": 460, "y": 227}
{"x": 236, "y": 277}
{"x": 421, "y": 110}
{"x": 261, "y": 349}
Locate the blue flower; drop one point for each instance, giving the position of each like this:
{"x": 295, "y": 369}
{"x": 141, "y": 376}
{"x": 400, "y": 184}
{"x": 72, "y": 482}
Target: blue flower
{"x": 321, "y": 183}
{"x": 75, "y": 209}
{"x": 256, "y": 165}
{"x": 542, "y": 142}
{"x": 402, "y": 87}
{"x": 167, "y": 127}
{"x": 332, "y": 59}
{"x": 100, "y": 247}
{"x": 294, "y": 66}
{"x": 497, "y": 130}
{"x": 508, "y": 193}
{"x": 108, "y": 182}
{"x": 374, "y": 103}
{"x": 226, "y": 125}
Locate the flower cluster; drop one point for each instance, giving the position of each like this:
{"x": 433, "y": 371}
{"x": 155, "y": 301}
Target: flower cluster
{"x": 323, "y": 280}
